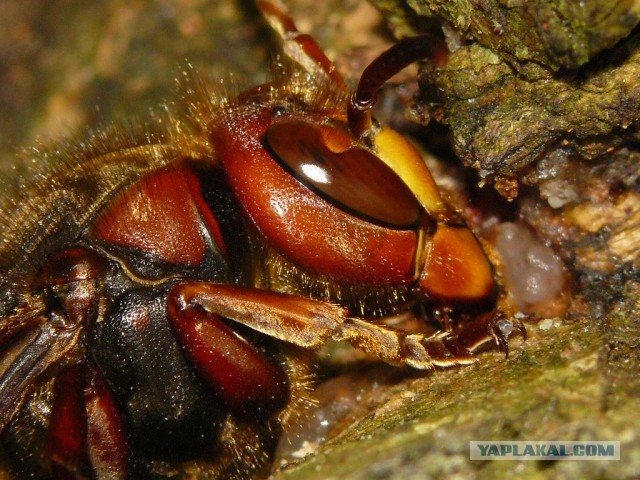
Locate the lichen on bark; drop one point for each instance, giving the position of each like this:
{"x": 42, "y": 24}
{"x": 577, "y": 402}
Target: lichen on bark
{"x": 505, "y": 124}
{"x": 531, "y": 80}
{"x": 554, "y": 33}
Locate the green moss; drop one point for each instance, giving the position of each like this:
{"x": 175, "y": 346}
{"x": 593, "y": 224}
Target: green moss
{"x": 554, "y": 33}
{"x": 550, "y": 389}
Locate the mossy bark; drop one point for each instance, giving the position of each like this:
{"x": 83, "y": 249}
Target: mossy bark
{"x": 574, "y": 380}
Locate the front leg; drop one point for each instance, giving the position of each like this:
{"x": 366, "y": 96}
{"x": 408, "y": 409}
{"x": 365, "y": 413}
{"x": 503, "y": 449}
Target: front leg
{"x": 300, "y": 47}
{"x": 492, "y": 326}
{"x": 309, "y": 323}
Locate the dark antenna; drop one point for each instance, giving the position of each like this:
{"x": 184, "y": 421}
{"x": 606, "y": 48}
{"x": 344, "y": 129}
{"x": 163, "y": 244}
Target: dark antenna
{"x": 385, "y": 66}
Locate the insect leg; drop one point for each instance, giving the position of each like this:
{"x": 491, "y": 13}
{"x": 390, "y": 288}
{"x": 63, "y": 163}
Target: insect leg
{"x": 291, "y": 318}
{"x": 493, "y": 326}
{"x": 41, "y": 351}
{"x": 241, "y": 374}
{"x": 398, "y": 347}
{"x": 309, "y": 323}
{"x": 300, "y": 47}
{"x": 71, "y": 278}
{"x": 86, "y": 432}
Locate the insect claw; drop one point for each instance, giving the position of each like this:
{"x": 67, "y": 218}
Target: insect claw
{"x": 501, "y": 330}
{"x": 503, "y": 345}
{"x": 517, "y": 323}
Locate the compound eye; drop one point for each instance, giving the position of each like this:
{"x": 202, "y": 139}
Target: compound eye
{"x": 354, "y": 180}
